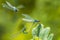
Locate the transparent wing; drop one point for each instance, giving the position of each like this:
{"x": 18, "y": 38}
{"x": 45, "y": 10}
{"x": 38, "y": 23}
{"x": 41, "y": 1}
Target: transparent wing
{"x": 27, "y": 17}
{"x": 27, "y": 20}
{"x": 20, "y": 6}
{"x": 9, "y": 4}
{"x": 5, "y": 6}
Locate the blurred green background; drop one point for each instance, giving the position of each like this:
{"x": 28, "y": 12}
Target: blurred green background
{"x": 47, "y": 11}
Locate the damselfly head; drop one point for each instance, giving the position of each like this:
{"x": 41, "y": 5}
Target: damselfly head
{"x": 36, "y": 21}
{"x": 15, "y": 9}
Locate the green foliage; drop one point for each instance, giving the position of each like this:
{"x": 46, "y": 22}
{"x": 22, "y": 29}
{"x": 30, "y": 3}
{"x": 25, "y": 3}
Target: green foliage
{"x": 42, "y": 33}
{"x": 47, "y": 11}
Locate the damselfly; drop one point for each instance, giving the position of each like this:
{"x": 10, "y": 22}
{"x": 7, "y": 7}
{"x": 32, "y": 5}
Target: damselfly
{"x": 11, "y": 7}
{"x": 29, "y": 19}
